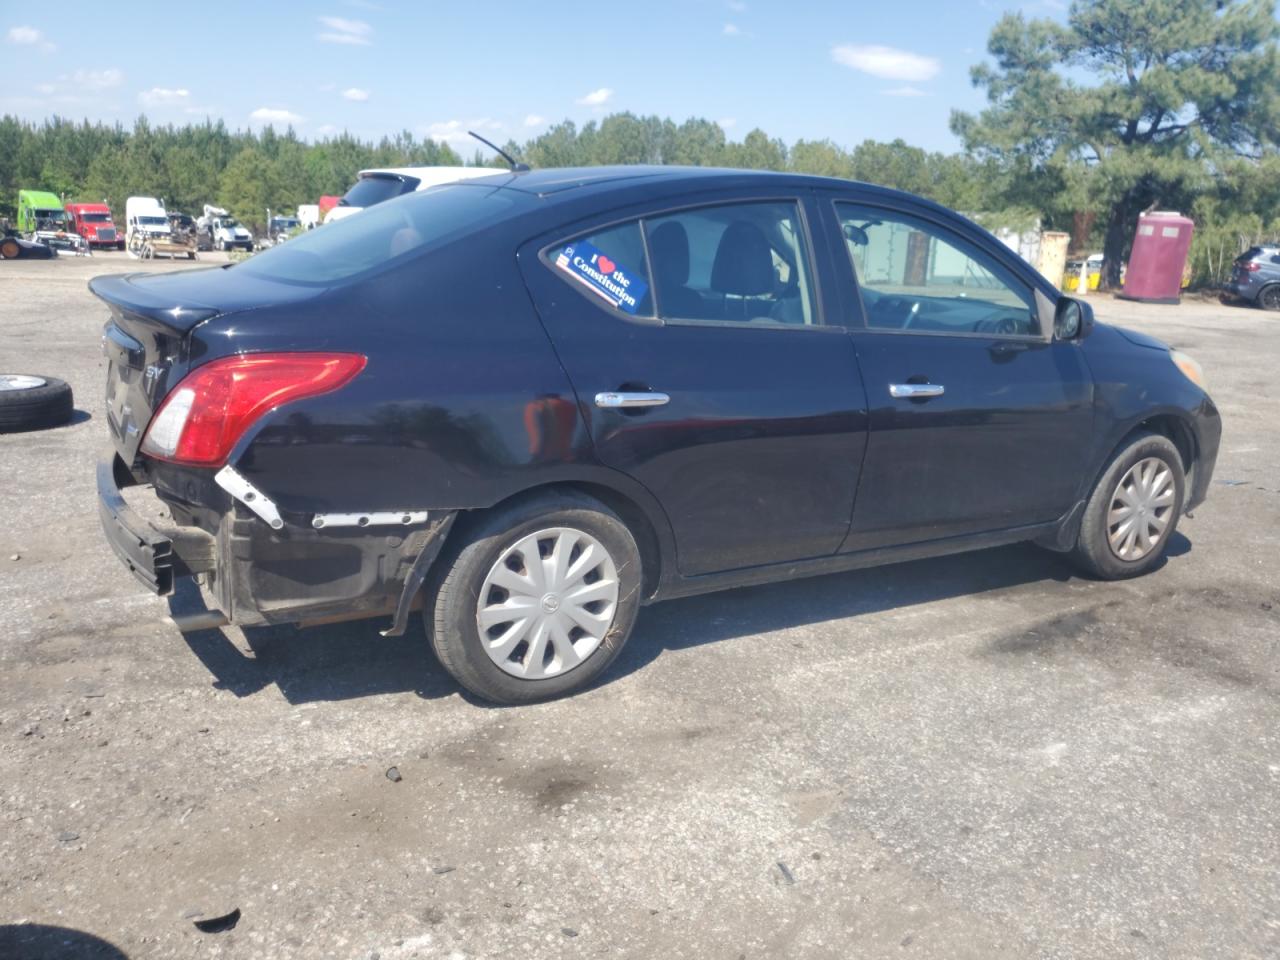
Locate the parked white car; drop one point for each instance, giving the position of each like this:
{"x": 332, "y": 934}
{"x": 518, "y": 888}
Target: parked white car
{"x": 374, "y": 186}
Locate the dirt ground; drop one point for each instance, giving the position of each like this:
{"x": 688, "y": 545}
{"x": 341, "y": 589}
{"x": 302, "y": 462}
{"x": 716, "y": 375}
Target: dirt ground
{"x": 982, "y": 756}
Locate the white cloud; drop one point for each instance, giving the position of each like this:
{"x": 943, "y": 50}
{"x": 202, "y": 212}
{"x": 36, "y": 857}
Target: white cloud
{"x": 326, "y": 129}
{"x": 726, "y": 123}
{"x": 905, "y": 91}
{"x": 275, "y": 115}
{"x": 887, "y": 62}
{"x": 596, "y": 98}
{"x": 98, "y": 79}
{"x": 355, "y": 95}
{"x": 446, "y": 131}
{"x": 731, "y": 30}
{"x": 340, "y": 30}
{"x": 484, "y": 123}
{"x": 164, "y": 96}
{"x": 29, "y": 37}
{"x": 533, "y": 120}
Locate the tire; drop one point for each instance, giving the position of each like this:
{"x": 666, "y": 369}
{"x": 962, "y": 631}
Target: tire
{"x": 9, "y": 249}
{"x": 568, "y": 521}
{"x": 1145, "y": 453}
{"x": 1269, "y": 297}
{"x": 33, "y": 402}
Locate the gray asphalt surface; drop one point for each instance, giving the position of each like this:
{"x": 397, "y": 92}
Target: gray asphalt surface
{"x": 982, "y": 756}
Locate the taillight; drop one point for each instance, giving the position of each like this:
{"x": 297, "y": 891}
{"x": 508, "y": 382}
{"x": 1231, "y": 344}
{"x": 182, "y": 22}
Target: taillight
{"x": 208, "y": 412}
{"x": 1249, "y": 266}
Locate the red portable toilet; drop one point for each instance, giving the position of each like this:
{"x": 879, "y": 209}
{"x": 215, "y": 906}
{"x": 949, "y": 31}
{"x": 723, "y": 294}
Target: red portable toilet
{"x": 1159, "y": 256}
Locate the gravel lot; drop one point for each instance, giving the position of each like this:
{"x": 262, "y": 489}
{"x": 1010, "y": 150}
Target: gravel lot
{"x": 981, "y": 756}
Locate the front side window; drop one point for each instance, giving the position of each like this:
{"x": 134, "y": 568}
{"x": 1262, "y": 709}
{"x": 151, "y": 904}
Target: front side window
{"x": 737, "y": 263}
{"x": 917, "y": 277}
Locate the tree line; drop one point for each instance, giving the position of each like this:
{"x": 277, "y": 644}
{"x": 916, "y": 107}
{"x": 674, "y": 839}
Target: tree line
{"x": 1183, "y": 112}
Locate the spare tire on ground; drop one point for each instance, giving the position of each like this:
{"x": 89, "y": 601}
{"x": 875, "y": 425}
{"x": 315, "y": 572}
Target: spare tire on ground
{"x": 33, "y": 403}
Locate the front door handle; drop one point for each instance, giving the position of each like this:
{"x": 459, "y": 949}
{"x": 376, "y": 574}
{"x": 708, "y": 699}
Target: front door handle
{"x": 615, "y": 400}
{"x": 914, "y": 391}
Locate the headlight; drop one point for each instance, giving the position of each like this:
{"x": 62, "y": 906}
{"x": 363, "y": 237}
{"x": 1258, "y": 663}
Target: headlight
{"x": 1190, "y": 369}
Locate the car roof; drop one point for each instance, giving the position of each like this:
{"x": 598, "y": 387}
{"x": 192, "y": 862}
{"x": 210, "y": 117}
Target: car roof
{"x": 545, "y": 183}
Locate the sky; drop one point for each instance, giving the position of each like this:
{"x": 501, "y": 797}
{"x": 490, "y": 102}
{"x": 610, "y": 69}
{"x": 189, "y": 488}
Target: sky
{"x": 813, "y": 69}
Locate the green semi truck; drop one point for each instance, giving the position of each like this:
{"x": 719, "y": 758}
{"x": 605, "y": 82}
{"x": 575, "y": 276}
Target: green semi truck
{"x": 42, "y": 218}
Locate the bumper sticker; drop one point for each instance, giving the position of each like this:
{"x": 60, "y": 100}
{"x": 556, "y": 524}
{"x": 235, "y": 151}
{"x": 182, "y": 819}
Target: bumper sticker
{"x": 602, "y": 275}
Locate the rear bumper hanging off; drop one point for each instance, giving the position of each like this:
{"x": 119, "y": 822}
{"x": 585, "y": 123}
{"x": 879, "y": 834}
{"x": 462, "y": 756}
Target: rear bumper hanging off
{"x": 155, "y": 554}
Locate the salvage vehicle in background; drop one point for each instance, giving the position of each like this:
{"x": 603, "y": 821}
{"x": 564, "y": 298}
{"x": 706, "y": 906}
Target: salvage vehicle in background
{"x": 225, "y": 231}
{"x": 93, "y": 222}
{"x": 150, "y": 234}
{"x": 16, "y": 248}
{"x": 279, "y": 228}
{"x": 42, "y": 219}
{"x": 376, "y": 186}
{"x": 1255, "y": 277}
{"x": 533, "y": 402}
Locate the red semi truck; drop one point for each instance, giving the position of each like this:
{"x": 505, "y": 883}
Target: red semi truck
{"x": 93, "y": 222}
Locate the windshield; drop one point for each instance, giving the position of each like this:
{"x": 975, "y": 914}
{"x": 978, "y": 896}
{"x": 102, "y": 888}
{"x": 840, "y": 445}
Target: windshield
{"x": 392, "y": 231}
{"x": 57, "y": 216}
{"x": 376, "y": 188}
{"x": 229, "y": 222}
{"x": 96, "y": 217}
{"x": 153, "y": 221}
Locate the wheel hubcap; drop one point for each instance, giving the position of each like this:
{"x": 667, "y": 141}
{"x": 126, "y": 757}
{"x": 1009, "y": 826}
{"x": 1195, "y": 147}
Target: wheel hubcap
{"x": 547, "y": 603}
{"x": 19, "y": 381}
{"x": 1141, "y": 509}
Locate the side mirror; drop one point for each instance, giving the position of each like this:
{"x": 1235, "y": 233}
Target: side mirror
{"x": 1072, "y": 320}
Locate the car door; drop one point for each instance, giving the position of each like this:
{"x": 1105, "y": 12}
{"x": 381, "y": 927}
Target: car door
{"x": 695, "y": 340}
{"x": 979, "y": 421}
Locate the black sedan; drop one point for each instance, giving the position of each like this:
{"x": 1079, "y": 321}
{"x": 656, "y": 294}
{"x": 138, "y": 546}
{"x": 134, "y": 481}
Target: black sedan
{"x": 534, "y": 402}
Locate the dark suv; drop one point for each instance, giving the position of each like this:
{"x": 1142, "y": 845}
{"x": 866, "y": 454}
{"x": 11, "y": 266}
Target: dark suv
{"x": 1255, "y": 277}
{"x": 532, "y": 403}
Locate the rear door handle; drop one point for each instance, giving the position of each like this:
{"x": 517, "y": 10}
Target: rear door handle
{"x": 913, "y": 391}
{"x": 620, "y": 400}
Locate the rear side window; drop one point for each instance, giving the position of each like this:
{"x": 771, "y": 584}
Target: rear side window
{"x": 388, "y": 232}
{"x": 376, "y": 188}
{"x": 737, "y": 263}
{"x": 611, "y": 264}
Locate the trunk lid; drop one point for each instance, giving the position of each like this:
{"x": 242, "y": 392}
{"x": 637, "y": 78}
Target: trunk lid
{"x": 150, "y": 339}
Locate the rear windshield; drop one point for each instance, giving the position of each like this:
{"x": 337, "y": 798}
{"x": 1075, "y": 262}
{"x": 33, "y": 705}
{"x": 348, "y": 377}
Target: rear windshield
{"x": 1253, "y": 253}
{"x": 388, "y": 232}
{"x": 377, "y": 187}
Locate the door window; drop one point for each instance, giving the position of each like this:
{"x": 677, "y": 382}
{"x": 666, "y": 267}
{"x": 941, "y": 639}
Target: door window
{"x": 736, "y": 263}
{"x": 917, "y": 277}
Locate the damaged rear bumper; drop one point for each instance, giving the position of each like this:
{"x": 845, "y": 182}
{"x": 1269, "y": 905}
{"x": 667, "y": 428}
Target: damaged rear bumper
{"x": 155, "y": 554}
{"x": 291, "y": 570}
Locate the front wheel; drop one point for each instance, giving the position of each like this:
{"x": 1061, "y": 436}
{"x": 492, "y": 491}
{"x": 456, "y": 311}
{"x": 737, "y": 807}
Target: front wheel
{"x": 1133, "y": 510}
{"x": 538, "y": 601}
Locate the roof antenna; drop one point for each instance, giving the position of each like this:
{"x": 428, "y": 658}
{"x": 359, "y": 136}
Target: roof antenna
{"x": 516, "y": 166}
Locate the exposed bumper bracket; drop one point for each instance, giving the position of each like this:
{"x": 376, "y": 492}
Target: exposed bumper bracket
{"x": 253, "y": 498}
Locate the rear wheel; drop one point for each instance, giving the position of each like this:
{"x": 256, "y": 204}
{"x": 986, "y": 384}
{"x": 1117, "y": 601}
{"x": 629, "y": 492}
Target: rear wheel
{"x": 1134, "y": 509}
{"x": 1269, "y": 298}
{"x": 9, "y": 248}
{"x": 538, "y": 600}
